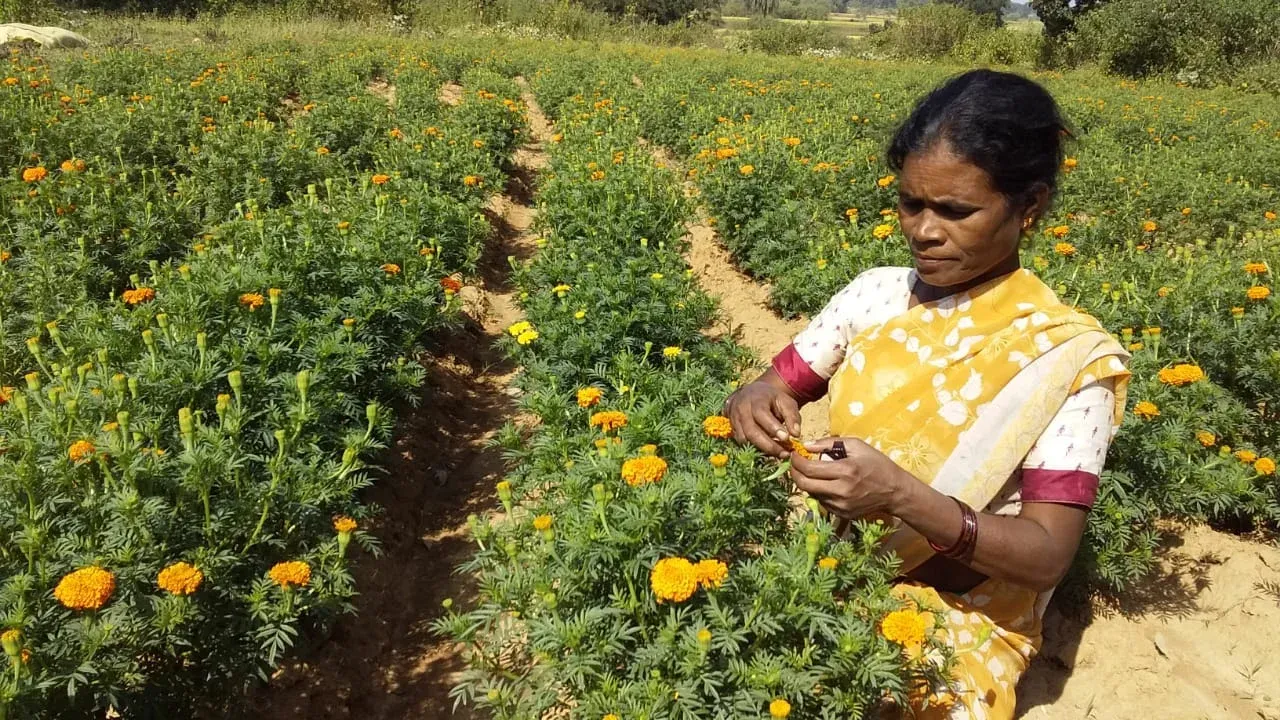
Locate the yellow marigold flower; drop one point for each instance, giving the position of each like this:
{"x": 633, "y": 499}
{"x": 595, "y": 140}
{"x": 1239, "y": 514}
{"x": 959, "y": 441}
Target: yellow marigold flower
{"x": 5, "y": 255}
{"x": 905, "y": 627}
{"x": 1149, "y": 226}
{"x": 1265, "y": 466}
{"x": 344, "y": 524}
{"x": 391, "y": 268}
{"x": 673, "y": 579}
{"x": 561, "y": 288}
{"x": 1255, "y": 268}
{"x": 610, "y": 716}
{"x": 1070, "y": 164}
{"x": 1180, "y": 375}
{"x": 882, "y": 231}
{"x": 137, "y": 296}
{"x": 1146, "y": 410}
{"x": 1237, "y": 312}
{"x": 477, "y": 143}
{"x": 111, "y": 427}
{"x": 779, "y": 708}
{"x": 710, "y": 573}
{"x": 1186, "y": 211}
{"x": 1153, "y": 331}
{"x": 542, "y": 522}
{"x": 11, "y": 641}
{"x": 1206, "y": 438}
{"x": 672, "y": 352}
{"x": 725, "y": 153}
{"x": 851, "y": 213}
{"x": 88, "y": 588}
{"x": 608, "y": 420}
{"x": 747, "y": 169}
{"x": 517, "y": 328}
{"x": 704, "y": 636}
{"x": 527, "y": 337}
{"x": 253, "y": 301}
{"x": 471, "y": 180}
{"x": 580, "y": 315}
{"x": 1135, "y": 346}
{"x": 293, "y": 573}
{"x": 886, "y": 181}
{"x": 380, "y": 179}
{"x": 558, "y": 137}
{"x": 798, "y": 448}
{"x": 81, "y": 450}
{"x": 828, "y": 563}
{"x": 34, "y": 174}
{"x": 717, "y": 426}
{"x": 1065, "y": 249}
{"x": 322, "y": 150}
{"x": 1059, "y": 231}
{"x": 1269, "y": 215}
{"x": 791, "y": 141}
{"x": 597, "y": 175}
{"x": 1258, "y": 292}
{"x": 643, "y": 470}
{"x": 180, "y": 578}
{"x": 589, "y": 397}
{"x": 72, "y": 165}
{"x": 1246, "y": 456}
{"x": 718, "y": 460}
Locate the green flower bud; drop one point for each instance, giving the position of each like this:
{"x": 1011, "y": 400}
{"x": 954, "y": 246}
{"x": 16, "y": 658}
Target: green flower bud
{"x": 122, "y": 419}
{"x": 202, "y": 342}
{"x": 102, "y": 356}
{"x": 73, "y": 407}
{"x": 118, "y": 383}
{"x": 186, "y": 423}
{"x": 303, "y": 382}
{"x": 279, "y": 436}
{"x": 133, "y": 387}
{"x": 33, "y": 381}
{"x": 149, "y": 339}
{"x": 163, "y": 321}
{"x": 812, "y": 544}
{"x": 54, "y": 332}
{"x": 371, "y": 412}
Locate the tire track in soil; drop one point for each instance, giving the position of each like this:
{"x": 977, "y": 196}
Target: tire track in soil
{"x": 384, "y": 663}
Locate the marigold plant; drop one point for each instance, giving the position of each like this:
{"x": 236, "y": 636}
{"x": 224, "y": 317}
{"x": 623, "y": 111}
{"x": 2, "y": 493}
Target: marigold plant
{"x": 88, "y": 588}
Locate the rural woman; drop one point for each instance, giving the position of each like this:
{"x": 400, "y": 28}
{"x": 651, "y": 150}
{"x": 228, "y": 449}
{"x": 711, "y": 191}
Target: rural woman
{"x": 969, "y": 405}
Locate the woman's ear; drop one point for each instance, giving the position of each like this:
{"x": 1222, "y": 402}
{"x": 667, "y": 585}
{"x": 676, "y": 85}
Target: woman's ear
{"x": 1036, "y": 205}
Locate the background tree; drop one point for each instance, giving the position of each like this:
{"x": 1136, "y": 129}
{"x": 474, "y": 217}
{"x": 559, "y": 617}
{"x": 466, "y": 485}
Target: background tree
{"x": 1060, "y": 16}
{"x": 992, "y": 8}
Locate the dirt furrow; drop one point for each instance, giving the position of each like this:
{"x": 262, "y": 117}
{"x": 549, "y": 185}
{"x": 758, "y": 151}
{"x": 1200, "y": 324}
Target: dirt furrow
{"x": 384, "y": 663}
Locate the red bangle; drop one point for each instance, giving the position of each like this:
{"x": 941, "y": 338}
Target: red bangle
{"x": 964, "y": 545}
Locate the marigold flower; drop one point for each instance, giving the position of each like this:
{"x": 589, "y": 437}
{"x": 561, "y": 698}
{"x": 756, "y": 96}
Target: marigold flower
{"x": 180, "y": 578}
{"x": 527, "y": 337}
{"x": 322, "y": 150}
{"x": 597, "y": 175}
{"x": 643, "y": 470}
{"x": 906, "y": 627}
{"x": 72, "y": 165}
{"x": 610, "y": 716}
{"x": 791, "y": 141}
{"x": 1181, "y": 374}
{"x": 471, "y": 180}
{"x": 725, "y": 153}
{"x": 1059, "y": 231}
{"x": 1164, "y": 291}
{"x": 88, "y": 588}
{"x": 1146, "y": 410}
{"x": 886, "y": 181}
{"x": 6, "y": 393}
{"x": 673, "y": 579}
{"x": 11, "y": 641}
{"x": 451, "y": 285}
{"x": 779, "y": 708}
{"x": 672, "y": 352}
{"x": 253, "y": 301}
{"x": 1265, "y": 466}
{"x": 851, "y": 213}
{"x": 828, "y": 563}
{"x": 561, "y": 289}
{"x": 1269, "y": 215}
{"x": 391, "y": 268}
{"x": 293, "y": 573}
{"x": 1258, "y": 292}
{"x": 1206, "y": 438}
{"x": 882, "y": 231}
{"x": 81, "y": 450}
{"x": 5, "y": 255}
{"x": 710, "y": 573}
{"x": 542, "y": 522}
{"x": 34, "y": 174}
{"x": 704, "y": 636}
{"x": 344, "y": 524}
{"x": 1065, "y": 249}
{"x": 1149, "y": 226}
{"x": 798, "y": 448}
{"x": 589, "y": 397}
{"x": 718, "y": 426}
{"x": 1255, "y": 268}
{"x": 1246, "y": 456}
{"x": 747, "y": 169}
{"x": 1070, "y": 164}
{"x": 718, "y": 460}
{"x": 608, "y": 420}
{"x": 137, "y": 296}
{"x": 380, "y": 179}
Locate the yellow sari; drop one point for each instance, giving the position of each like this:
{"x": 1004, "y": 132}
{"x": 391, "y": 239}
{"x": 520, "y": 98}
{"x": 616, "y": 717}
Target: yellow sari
{"x": 957, "y": 392}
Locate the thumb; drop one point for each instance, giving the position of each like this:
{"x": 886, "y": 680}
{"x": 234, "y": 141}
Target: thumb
{"x": 788, "y": 411}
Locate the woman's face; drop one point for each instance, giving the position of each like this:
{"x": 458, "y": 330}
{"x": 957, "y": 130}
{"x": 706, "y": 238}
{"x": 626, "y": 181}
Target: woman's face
{"x": 959, "y": 227}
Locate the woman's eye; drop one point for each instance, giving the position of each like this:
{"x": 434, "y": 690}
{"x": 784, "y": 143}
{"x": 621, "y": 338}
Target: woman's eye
{"x": 910, "y": 206}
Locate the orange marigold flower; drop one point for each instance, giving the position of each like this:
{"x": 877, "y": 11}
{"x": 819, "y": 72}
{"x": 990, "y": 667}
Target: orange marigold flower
{"x": 710, "y": 573}
{"x": 1059, "y": 231}
{"x": 798, "y": 448}
{"x": 72, "y": 165}
{"x": 589, "y": 397}
{"x": 747, "y": 169}
{"x": 828, "y": 563}
{"x": 1206, "y": 438}
{"x": 779, "y": 708}
{"x": 1258, "y": 292}
{"x": 34, "y": 174}
{"x": 450, "y": 284}
{"x": 886, "y": 181}
{"x": 718, "y": 460}
{"x": 471, "y": 180}
{"x": 1146, "y": 410}
{"x": 1070, "y": 164}
{"x": 81, "y": 450}
{"x": 1265, "y": 466}
{"x": 1255, "y": 268}
{"x": 643, "y": 470}
{"x": 673, "y": 579}
{"x": 380, "y": 179}
{"x": 88, "y": 588}
{"x": 5, "y": 255}
{"x": 137, "y": 296}
{"x": 344, "y": 524}
{"x": 253, "y": 301}
{"x": 293, "y": 573}
{"x": 882, "y": 231}
{"x": 1269, "y": 215}
{"x": 180, "y": 578}
{"x": 1181, "y": 374}
{"x": 1065, "y": 249}
{"x": 322, "y": 150}
{"x": 1246, "y": 456}
{"x": 6, "y": 393}
{"x": 905, "y": 627}
{"x": 391, "y": 268}
{"x": 791, "y": 141}
{"x": 608, "y": 420}
{"x": 1149, "y": 226}
{"x": 718, "y": 426}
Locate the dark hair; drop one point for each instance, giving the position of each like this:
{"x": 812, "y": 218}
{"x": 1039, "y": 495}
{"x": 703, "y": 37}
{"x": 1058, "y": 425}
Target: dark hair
{"x": 1004, "y": 123}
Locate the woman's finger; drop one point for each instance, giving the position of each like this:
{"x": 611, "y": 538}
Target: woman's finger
{"x": 819, "y": 489}
{"x": 766, "y": 421}
{"x": 787, "y": 410}
{"x": 821, "y": 469}
{"x": 758, "y": 437}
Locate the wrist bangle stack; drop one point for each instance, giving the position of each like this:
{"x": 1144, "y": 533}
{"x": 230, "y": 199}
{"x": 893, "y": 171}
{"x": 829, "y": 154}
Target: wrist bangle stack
{"x": 963, "y": 548}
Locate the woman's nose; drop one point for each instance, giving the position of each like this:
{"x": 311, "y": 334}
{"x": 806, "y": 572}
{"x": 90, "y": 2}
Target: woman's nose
{"x": 928, "y": 229}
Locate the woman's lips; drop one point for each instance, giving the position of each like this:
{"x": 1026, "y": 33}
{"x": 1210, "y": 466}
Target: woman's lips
{"x": 931, "y": 263}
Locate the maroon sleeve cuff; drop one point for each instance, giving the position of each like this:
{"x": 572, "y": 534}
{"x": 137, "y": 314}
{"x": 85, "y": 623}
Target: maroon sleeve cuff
{"x": 1070, "y": 487}
{"x": 796, "y": 373}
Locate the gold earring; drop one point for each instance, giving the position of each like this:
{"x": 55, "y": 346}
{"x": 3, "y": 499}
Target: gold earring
{"x": 1026, "y": 224}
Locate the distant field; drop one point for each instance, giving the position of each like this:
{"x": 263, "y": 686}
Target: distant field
{"x": 853, "y": 26}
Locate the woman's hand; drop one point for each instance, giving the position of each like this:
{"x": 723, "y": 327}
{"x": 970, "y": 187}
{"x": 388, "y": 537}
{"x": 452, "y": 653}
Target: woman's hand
{"x": 765, "y": 414}
{"x": 864, "y": 483}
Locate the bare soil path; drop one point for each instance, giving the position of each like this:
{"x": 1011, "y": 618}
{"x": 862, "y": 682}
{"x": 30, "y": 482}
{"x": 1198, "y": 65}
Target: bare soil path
{"x": 1196, "y": 642}
{"x": 384, "y": 663}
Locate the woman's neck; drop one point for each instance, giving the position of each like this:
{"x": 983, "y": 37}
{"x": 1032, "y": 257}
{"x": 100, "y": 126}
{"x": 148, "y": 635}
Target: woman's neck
{"x": 925, "y": 292}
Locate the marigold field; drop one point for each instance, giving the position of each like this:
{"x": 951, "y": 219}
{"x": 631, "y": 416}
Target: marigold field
{"x": 223, "y": 269}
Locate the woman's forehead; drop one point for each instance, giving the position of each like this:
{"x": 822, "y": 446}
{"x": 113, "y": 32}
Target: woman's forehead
{"x": 938, "y": 171}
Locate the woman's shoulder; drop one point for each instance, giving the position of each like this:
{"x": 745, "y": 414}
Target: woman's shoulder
{"x": 881, "y": 280}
